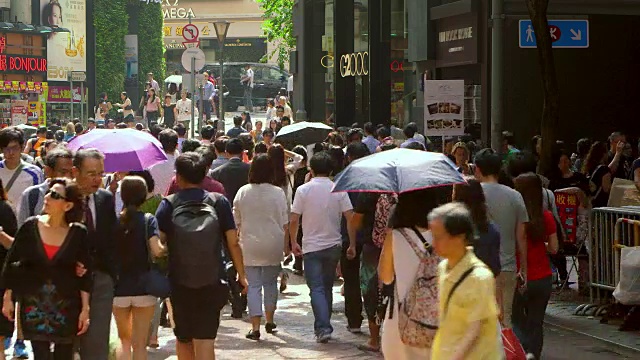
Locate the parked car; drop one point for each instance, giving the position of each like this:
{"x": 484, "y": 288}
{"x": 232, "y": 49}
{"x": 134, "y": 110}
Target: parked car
{"x": 268, "y": 80}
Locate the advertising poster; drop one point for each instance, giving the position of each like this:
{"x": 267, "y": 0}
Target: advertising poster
{"x": 131, "y": 56}
{"x": 66, "y": 51}
{"x": 444, "y": 107}
{"x": 60, "y": 94}
{"x": 19, "y": 112}
{"x": 567, "y": 204}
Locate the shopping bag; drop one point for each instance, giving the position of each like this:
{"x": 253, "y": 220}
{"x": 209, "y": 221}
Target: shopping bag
{"x": 512, "y": 348}
{"x": 627, "y": 291}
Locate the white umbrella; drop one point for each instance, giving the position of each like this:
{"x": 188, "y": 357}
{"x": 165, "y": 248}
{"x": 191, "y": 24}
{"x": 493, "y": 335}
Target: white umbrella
{"x": 175, "y": 79}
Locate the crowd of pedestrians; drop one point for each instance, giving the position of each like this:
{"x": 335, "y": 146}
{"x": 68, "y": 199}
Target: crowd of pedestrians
{"x": 436, "y": 272}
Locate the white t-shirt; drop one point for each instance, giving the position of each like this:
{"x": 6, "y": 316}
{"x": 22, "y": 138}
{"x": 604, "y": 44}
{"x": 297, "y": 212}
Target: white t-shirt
{"x": 184, "y": 107}
{"x": 162, "y": 174}
{"x": 321, "y": 212}
{"x": 30, "y": 175}
{"x": 250, "y": 77}
{"x": 260, "y": 211}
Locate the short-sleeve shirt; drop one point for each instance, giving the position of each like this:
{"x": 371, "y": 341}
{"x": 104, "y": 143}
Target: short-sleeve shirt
{"x": 474, "y": 300}
{"x": 135, "y": 264}
{"x": 321, "y": 212}
{"x": 164, "y": 214}
{"x": 366, "y": 205}
{"x": 600, "y": 197}
{"x": 507, "y": 210}
{"x": 538, "y": 265}
{"x": 30, "y": 175}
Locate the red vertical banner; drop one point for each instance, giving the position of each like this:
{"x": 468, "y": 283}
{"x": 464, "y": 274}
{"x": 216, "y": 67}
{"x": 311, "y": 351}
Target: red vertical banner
{"x": 567, "y": 204}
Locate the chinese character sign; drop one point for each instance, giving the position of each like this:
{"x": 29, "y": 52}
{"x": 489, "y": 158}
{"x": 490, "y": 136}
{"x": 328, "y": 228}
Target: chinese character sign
{"x": 65, "y": 50}
{"x": 567, "y": 204}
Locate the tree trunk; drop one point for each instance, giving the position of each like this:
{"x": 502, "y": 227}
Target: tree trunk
{"x": 551, "y": 106}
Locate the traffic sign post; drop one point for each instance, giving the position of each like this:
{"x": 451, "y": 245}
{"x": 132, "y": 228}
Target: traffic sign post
{"x": 565, "y": 34}
{"x": 193, "y": 60}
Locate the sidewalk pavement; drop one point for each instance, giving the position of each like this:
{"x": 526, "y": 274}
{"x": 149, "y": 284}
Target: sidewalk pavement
{"x": 294, "y": 339}
{"x": 560, "y": 313}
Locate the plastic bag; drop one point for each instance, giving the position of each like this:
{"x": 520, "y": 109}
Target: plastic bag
{"x": 628, "y": 290}
{"x": 512, "y": 348}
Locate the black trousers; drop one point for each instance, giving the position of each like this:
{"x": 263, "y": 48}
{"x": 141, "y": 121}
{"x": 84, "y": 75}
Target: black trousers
{"x": 559, "y": 260}
{"x": 238, "y": 300}
{"x": 297, "y": 265}
{"x": 352, "y": 294}
{"x": 42, "y": 351}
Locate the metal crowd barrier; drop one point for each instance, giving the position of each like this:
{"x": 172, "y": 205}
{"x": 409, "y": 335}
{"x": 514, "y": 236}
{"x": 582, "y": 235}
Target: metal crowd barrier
{"x": 611, "y": 229}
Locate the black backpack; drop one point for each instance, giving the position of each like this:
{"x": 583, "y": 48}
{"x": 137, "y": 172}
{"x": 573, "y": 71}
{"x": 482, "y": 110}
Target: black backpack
{"x": 195, "y": 246}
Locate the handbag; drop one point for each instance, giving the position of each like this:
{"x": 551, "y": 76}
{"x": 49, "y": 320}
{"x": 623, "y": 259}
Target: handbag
{"x": 156, "y": 282}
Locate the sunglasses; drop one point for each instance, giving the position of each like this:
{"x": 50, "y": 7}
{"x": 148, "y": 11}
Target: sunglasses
{"x": 55, "y": 195}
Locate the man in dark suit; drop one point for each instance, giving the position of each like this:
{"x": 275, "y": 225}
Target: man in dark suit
{"x": 100, "y": 220}
{"x": 233, "y": 175}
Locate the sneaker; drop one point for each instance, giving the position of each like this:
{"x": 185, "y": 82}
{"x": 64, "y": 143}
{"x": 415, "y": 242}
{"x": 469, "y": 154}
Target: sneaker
{"x": 19, "y": 350}
{"x": 7, "y": 343}
{"x": 354, "y": 330}
{"x": 530, "y": 356}
{"x": 323, "y": 338}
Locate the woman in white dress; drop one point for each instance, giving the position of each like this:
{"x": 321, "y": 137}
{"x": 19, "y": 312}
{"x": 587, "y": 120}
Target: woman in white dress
{"x": 399, "y": 262}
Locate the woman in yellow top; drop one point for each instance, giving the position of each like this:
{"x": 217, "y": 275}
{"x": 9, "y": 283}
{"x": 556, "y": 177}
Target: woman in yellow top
{"x": 468, "y": 327}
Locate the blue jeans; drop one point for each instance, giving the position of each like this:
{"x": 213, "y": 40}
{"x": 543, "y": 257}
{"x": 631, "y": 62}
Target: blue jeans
{"x": 262, "y": 277}
{"x": 320, "y": 272}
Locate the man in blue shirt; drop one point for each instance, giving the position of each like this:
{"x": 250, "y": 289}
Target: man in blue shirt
{"x": 207, "y": 97}
{"x": 237, "y": 128}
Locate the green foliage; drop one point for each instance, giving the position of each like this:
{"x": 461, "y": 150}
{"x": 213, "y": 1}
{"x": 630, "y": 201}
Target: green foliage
{"x": 110, "y": 21}
{"x": 150, "y": 42}
{"x": 278, "y": 27}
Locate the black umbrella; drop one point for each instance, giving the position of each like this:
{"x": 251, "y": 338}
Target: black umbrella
{"x": 303, "y": 133}
{"x": 398, "y": 171}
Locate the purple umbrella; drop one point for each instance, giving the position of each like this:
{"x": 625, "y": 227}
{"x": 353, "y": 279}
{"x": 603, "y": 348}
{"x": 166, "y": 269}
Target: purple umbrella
{"x": 124, "y": 149}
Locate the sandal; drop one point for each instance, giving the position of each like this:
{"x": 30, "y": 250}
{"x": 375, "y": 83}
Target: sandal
{"x": 271, "y": 328}
{"x": 283, "y": 282}
{"x": 368, "y": 348}
{"x": 253, "y": 335}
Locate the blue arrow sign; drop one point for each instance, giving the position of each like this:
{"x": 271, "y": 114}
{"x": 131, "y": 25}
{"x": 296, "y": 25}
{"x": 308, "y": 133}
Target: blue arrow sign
{"x": 565, "y": 34}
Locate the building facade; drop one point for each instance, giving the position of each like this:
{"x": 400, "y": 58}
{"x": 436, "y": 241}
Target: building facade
{"x": 245, "y": 41}
{"x": 350, "y": 61}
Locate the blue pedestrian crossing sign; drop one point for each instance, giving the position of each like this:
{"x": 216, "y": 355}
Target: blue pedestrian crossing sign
{"x": 565, "y": 34}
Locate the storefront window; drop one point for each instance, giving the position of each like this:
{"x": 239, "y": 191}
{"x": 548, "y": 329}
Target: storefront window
{"x": 328, "y": 60}
{"x": 361, "y": 44}
{"x": 401, "y": 95}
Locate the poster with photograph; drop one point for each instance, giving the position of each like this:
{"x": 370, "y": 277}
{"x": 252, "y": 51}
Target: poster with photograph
{"x": 66, "y": 51}
{"x": 444, "y": 107}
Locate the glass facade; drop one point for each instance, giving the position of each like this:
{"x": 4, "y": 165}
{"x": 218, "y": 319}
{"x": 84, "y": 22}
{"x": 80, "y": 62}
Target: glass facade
{"x": 361, "y": 44}
{"x": 357, "y": 90}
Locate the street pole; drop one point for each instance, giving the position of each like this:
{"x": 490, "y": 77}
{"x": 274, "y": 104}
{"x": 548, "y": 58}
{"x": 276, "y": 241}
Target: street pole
{"x": 82, "y": 102}
{"x": 201, "y": 107}
{"x": 71, "y": 94}
{"x": 221, "y": 89}
{"x": 193, "y": 96}
{"x": 497, "y": 61}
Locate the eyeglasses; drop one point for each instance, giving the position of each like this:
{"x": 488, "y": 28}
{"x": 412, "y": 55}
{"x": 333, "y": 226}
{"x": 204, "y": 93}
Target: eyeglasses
{"x": 55, "y": 195}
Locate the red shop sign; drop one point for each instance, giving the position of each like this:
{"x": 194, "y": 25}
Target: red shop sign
{"x": 24, "y": 64}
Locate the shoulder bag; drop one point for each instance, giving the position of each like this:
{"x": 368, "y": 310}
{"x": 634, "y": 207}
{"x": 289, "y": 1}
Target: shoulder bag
{"x": 156, "y": 282}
